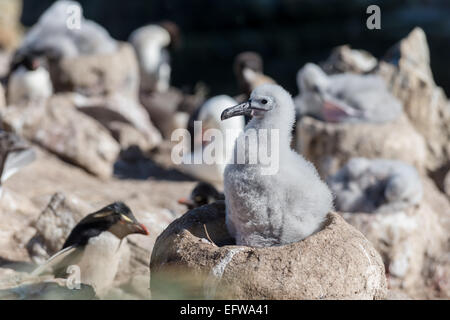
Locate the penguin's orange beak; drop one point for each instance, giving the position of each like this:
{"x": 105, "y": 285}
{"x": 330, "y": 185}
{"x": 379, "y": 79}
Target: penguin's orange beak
{"x": 140, "y": 228}
{"x": 186, "y": 202}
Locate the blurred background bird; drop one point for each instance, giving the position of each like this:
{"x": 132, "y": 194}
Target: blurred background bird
{"x": 203, "y": 193}
{"x": 29, "y": 80}
{"x": 376, "y": 185}
{"x": 53, "y": 37}
{"x": 15, "y": 154}
{"x": 345, "y": 97}
{"x": 151, "y": 44}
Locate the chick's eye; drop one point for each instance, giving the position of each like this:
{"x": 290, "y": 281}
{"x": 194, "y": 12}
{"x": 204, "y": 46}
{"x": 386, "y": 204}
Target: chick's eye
{"x": 315, "y": 88}
{"x": 264, "y": 101}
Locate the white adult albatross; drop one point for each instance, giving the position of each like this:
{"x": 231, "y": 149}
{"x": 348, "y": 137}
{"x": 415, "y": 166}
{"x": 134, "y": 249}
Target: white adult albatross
{"x": 345, "y": 97}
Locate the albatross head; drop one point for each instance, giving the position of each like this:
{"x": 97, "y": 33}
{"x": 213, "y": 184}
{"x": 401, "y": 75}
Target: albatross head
{"x": 316, "y": 99}
{"x": 266, "y": 101}
{"x": 312, "y": 83}
{"x": 311, "y": 78}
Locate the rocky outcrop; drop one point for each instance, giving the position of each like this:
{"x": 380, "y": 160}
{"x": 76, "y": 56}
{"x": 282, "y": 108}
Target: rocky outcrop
{"x": 98, "y": 75}
{"x": 54, "y": 225}
{"x": 346, "y": 59}
{"x": 162, "y": 107}
{"x": 20, "y": 286}
{"x": 403, "y": 239}
{"x": 16, "y": 212}
{"x": 25, "y": 204}
{"x": 125, "y": 118}
{"x": 413, "y": 244}
{"x": 10, "y": 28}
{"x": 108, "y": 81}
{"x": 335, "y": 263}
{"x": 406, "y": 68}
{"x": 10, "y": 278}
{"x": 447, "y": 184}
{"x": 61, "y": 129}
{"x": 329, "y": 146}
{"x": 4, "y": 65}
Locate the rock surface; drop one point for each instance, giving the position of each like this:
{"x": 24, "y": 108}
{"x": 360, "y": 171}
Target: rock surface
{"x": 98, "y": 75}
{"x": 108, "y": 81}
{"x": 61, "y": 129}
{"x": 16, "y": 212}
{"x": 414, "y": 244}
{"x": 28, "y": 193}
{"x": 113, "y": 109}
{"x": 36, "y": 289}
{"x": 162, "y": 106}
{"x": 403, "y": 239}
{"x": 10, "y": 28}
{"x": 335, "y": 263}
{"x": 346, "y": 59}
{"x": 329, "y": 146}
{"x": 5, "y": 58}
{"x": 54, "y": 225}
{"x": 447, "y": 184}
{"x": 407, "y": 71}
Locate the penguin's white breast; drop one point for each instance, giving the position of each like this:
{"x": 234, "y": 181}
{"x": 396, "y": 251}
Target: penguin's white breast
{"x": 100, "y": 261}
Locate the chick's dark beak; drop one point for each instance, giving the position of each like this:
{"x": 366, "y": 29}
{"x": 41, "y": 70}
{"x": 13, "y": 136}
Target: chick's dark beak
{"x": 238, "y": 110}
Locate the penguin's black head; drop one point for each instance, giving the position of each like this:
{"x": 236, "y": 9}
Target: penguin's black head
{"x": 116, "y": 218}
{"x": 174, "y": 31}
{"x": 203, "y": 193}
{"x": 31, "y": 62}
{"x": 248, "y": 60}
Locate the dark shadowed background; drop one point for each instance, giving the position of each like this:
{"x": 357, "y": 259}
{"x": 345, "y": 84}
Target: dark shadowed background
{"x": 288, "y": 33}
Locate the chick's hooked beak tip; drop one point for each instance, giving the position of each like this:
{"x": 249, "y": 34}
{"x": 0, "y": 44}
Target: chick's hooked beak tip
{"x": 238, "y": 110}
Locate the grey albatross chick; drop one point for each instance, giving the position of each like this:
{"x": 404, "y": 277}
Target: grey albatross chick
{"x": 15, "y": 153}
{"x": 93, "y": 245}
{"x": 203, "y": 193}
{"x": 267, "y": 209}
{"x": 345, "y": 97}
{"x": 375, "y": 185}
